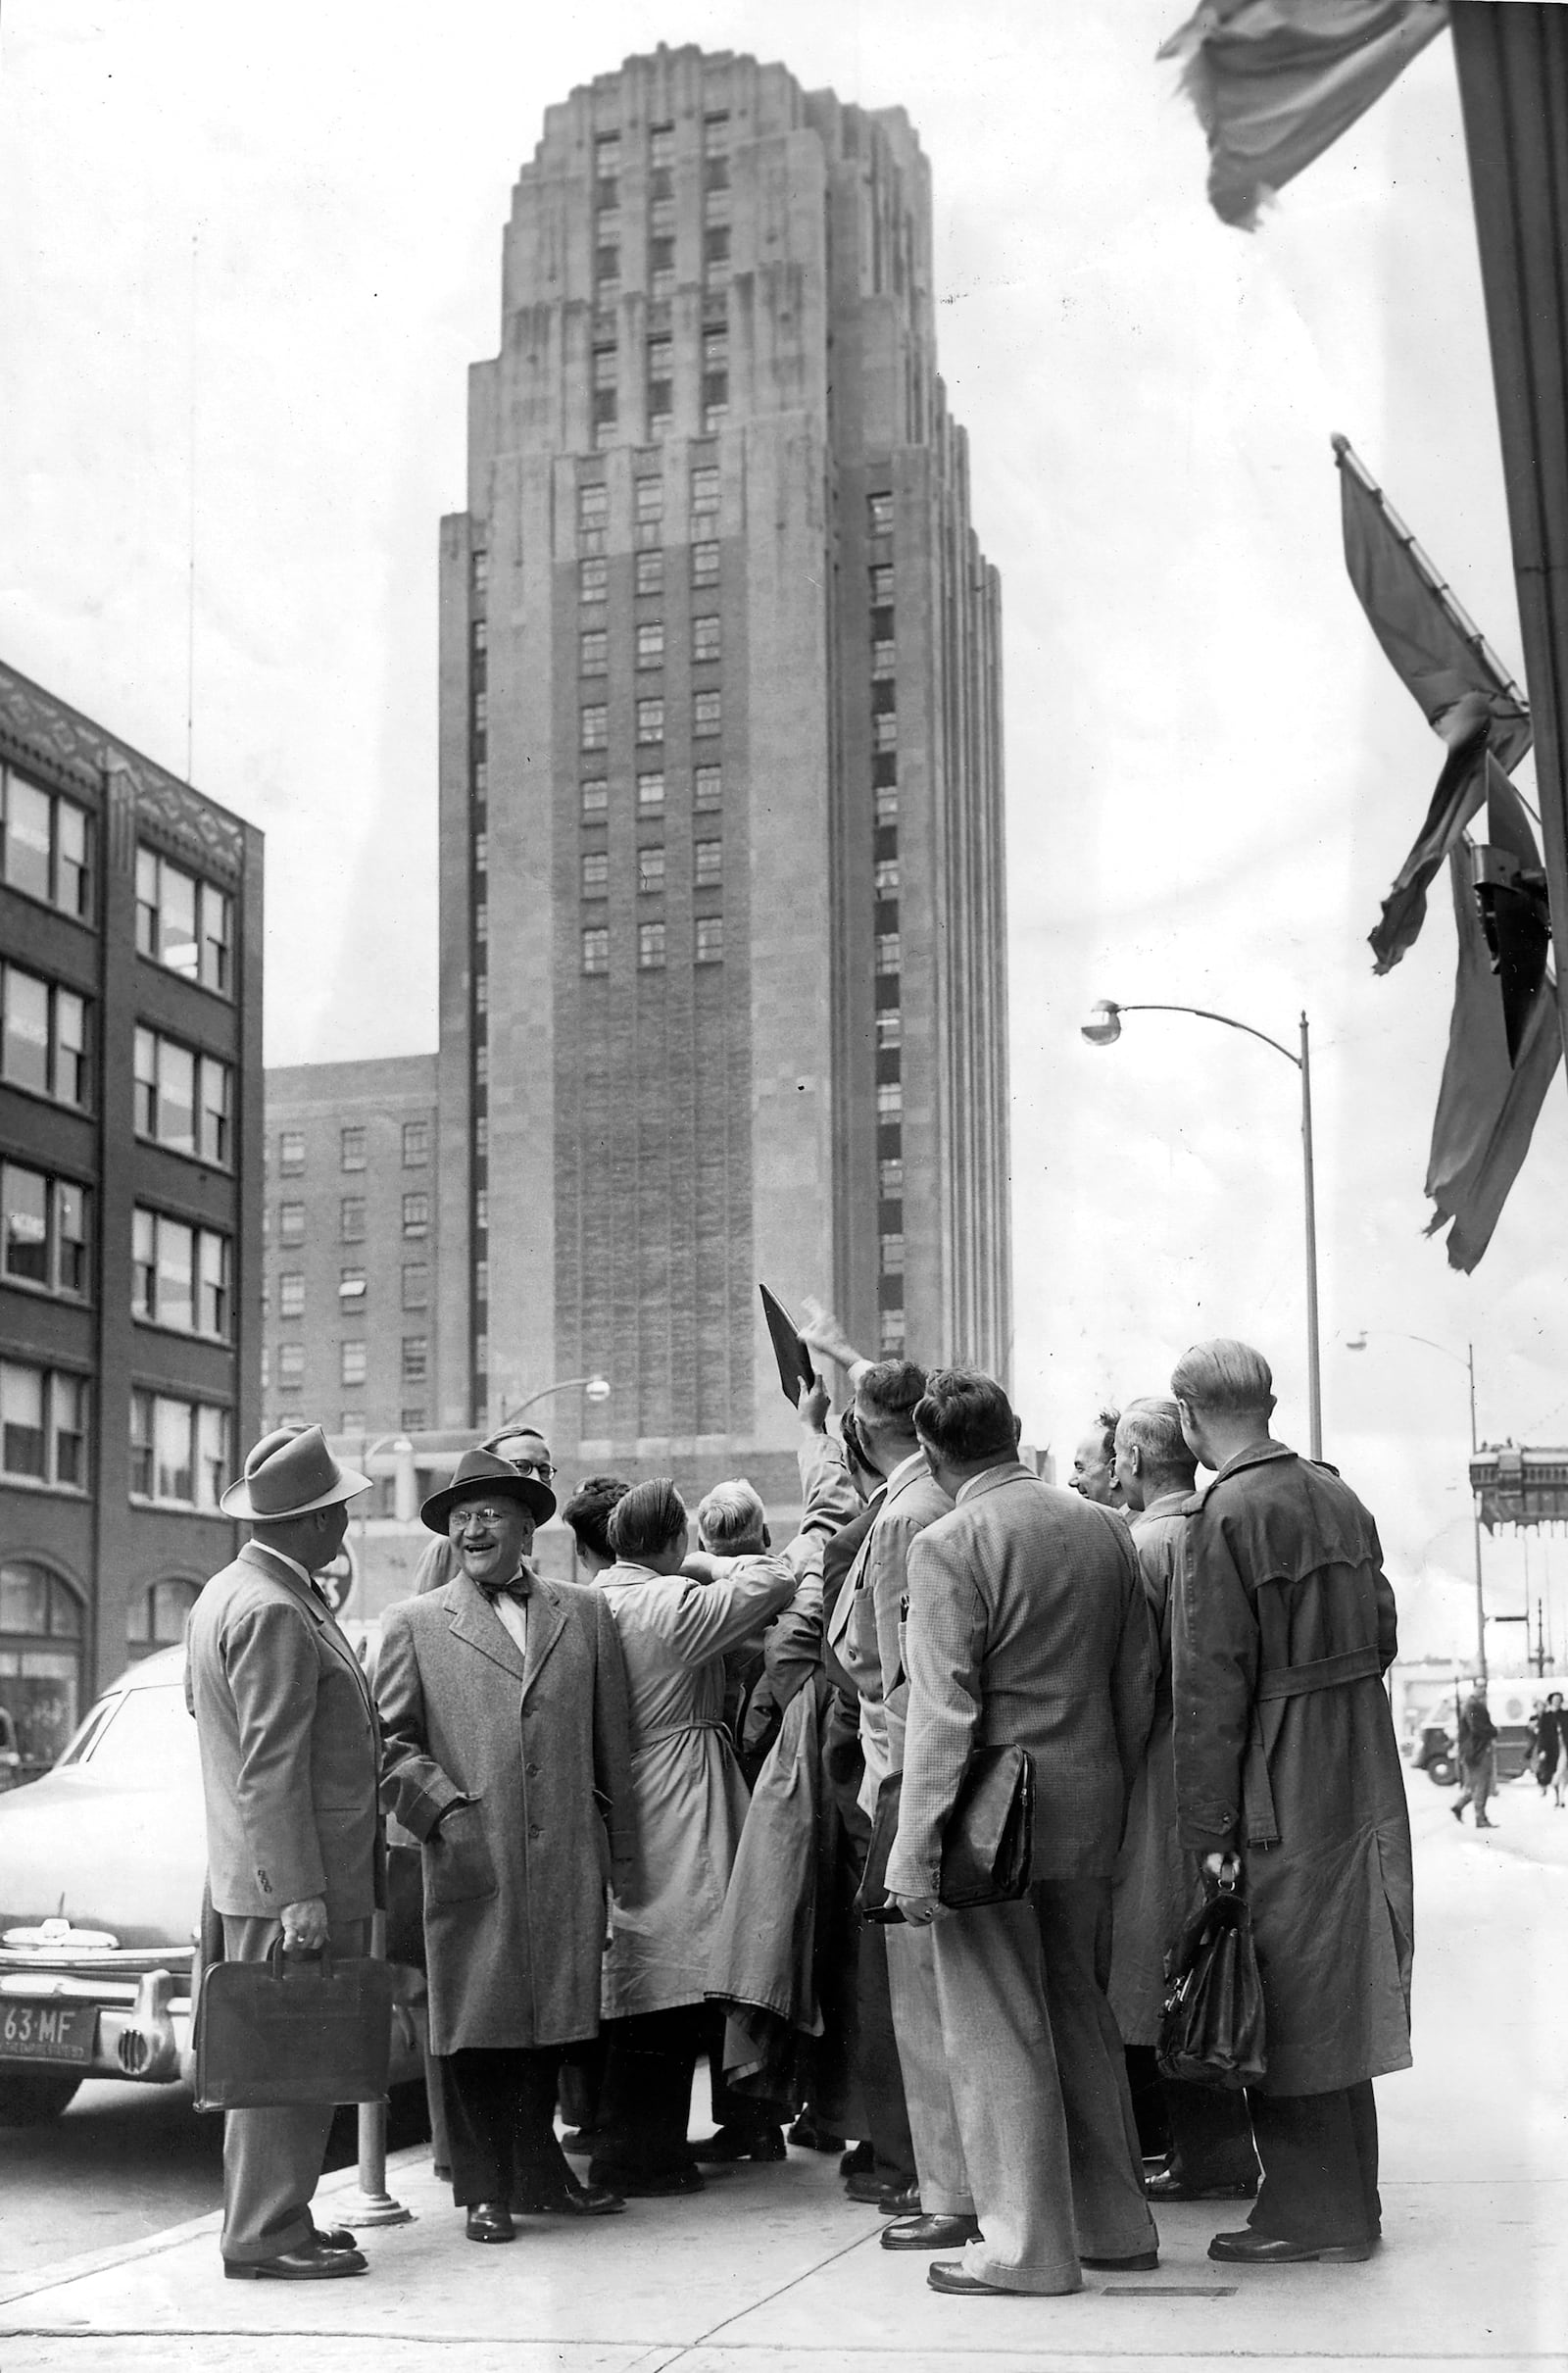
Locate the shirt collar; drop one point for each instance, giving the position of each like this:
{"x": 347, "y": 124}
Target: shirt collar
{"x": 293, "y": 1565}
{"x": 913, "y": 1464}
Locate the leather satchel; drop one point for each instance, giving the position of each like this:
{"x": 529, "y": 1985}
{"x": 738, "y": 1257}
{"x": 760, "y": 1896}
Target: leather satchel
{"x": 1211, "y": 2028}
{"x": 987, "y": 1846}
{"x": 304, "y": 2033}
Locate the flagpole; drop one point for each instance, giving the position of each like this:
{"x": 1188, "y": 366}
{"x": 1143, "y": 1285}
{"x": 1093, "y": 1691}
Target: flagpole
{"x": 1314, "y": 1363}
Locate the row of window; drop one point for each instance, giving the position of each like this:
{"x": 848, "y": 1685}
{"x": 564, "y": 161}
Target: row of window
{"x": 706, "y": 721}
{"x": 707, "y": 641}
{"x": 180, "y": 1451}
{"x": 661, "y": 269}
{"x": 660, "y": 145}
{"x": 184, "y": 923}
{"x": 43, "y": 1038}
{"x": 648, "y": 569}
{"x": 354, "y": 1148}
{"x": 43, "y": 1426}
{"x": 353, "y": 1290}
{"x": 648, "y": 499}
{"x": 660, "y": 358}
{"x": 708, "y": 791}
{"x": 352, "y": 1364}
{"x": 182, "y": 1099}
{"x": 887, "y": 957}
{"x": 181, "y": 1273}
{"x": 351, "y": 1220}
{"x": 707, "y": 869}
{"x": 707, "y": 944}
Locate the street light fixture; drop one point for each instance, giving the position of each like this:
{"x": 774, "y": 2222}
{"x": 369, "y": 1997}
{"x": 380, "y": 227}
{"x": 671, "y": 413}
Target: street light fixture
{"x": 1358, "y": 1343}
{"x": 1106, "y": 1029}
{"x": 593, "y": 1388}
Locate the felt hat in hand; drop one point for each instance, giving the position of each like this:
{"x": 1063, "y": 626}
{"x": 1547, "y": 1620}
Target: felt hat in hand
{"x": 291, "y": 1473}
{"x": 481, "y": 1471}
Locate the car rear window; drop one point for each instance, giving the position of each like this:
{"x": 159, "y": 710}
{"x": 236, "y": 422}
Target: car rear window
{"x": 142, "y": 1739}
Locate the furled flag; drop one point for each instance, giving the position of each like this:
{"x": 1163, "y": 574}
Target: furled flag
{"x": 1275, "y": 82}
{"x": 1446, "y": 664}
{"x": 1487, "y": 1108}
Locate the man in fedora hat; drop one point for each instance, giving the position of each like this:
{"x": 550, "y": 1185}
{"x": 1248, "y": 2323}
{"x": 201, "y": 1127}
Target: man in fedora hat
{"x": 503, "y": 1698}
{"x": 290, "y": 1754}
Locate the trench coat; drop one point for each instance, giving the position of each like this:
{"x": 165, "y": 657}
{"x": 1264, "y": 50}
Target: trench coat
{"x": 514, "y": 1774}
{"x": 688, "y": 1797}
{"x": 1286, "y": 1749}
{"x": 1153, "y": 1883}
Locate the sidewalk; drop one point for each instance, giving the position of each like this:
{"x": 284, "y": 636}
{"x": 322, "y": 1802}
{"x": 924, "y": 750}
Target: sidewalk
{"x": 773, "y": 2272}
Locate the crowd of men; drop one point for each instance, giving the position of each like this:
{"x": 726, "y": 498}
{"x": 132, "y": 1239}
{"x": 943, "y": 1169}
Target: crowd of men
{"x": 640, "y": 1806}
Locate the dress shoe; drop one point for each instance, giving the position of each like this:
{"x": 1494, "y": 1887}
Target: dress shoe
{"x": 309, "y": 2263}
{"x": 873, "y": 2188}
{"x": 664, "y": 2186}
{"x": 898, "y": 2200}
{"x": 1250, "y": 2248}
{"x": 930, "y": 2233}
{"x": 490, "y": 2220}
{"x": 764, "y": 2144}
{"x": 1142, "y": 2262}
{"x": 1483, "y": 1823}
{"x": 1171, "y": 2184}
{"x": 338, "y": 2238}
{"x": 947, "y": 2275}
{"x": 806, "y": 2135}
{"x": 587, "y": 2199}
{"x": 1457, "y": 1811}
{"x": 859, "y": 2161}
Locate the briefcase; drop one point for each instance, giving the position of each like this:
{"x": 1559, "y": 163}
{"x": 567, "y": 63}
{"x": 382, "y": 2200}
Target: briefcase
{"x": 987, "y": 1846}
{"x": 1211, "y": 2028}
{"x": 305, "y": 2033}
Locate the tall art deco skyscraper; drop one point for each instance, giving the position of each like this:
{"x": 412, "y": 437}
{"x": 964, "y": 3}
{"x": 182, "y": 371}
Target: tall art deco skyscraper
{"x": 722, "y": 921}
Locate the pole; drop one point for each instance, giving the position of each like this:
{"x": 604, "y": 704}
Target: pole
{"x": 371, "y": 2202}
{"x": 1314, "y": 1365}
{"x": 1475, "y": 1522}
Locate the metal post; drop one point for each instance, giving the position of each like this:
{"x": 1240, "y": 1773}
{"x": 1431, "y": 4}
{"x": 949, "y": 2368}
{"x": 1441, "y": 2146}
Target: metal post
{"x": 1314, "y": 1366}
{"x": 1475, "y": 1521}
{"x": 371, "y": 2202}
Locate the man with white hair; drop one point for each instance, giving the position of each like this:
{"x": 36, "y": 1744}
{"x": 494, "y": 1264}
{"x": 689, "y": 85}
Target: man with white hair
{"x": 1288, "y": 1779}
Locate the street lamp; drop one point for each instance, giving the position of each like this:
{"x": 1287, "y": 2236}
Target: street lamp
{"x": 593, "y": 1388}
{"x": 1358, "y": 1343}
{"x": 1106, "y": 1029}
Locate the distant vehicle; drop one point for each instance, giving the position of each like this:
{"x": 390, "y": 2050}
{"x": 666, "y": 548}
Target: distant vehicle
{"x": 1434, "y": 1754}
{"x": 102, "y": 1865}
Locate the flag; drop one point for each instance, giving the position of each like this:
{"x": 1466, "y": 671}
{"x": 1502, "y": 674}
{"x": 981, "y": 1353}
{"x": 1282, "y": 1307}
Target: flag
{"x": 1487, "y": 1108}
{"x": 1444, "y": 664}
{"x": 1510, "y": 892}
{"x": 1275, "y": 82}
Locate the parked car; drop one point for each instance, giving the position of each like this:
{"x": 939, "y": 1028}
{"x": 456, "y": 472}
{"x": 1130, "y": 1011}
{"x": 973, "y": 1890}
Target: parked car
{"x": 1435, "y": 1756}
{"x": 102, "y": 1865}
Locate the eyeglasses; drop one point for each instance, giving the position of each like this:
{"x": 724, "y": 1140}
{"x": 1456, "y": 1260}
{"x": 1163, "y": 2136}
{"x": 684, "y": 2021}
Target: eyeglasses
{"x": 541, "y": 1468}
{"x": 461, "y": 1518}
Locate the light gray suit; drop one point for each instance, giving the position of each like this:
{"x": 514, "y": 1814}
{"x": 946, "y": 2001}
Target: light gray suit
{"x": 1028, "y": 1624}
{"x": 290, "y": 1751}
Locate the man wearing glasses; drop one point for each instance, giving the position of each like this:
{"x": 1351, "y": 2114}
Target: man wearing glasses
{"x": 523, "y": 1448}
{"x": 503, "y": 1700}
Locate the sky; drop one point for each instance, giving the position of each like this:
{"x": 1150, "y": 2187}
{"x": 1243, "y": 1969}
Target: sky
{"x": 245, "y": 261}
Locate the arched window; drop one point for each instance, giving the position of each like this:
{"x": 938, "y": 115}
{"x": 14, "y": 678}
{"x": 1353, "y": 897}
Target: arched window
{"x": 155, "y": 1617}
{"x": 41, "y": 1628}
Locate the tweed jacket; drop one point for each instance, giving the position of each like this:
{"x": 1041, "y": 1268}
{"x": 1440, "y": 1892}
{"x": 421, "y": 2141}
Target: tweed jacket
{"x": 1027, "y": 1624}
{"x": 289, "y": 1745}
{"x": 867, "y": 1622}
{"x": 514, "y": 1773}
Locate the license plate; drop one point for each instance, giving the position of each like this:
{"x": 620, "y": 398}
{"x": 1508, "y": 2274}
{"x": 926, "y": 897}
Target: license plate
{"x": 47, "y": 2031}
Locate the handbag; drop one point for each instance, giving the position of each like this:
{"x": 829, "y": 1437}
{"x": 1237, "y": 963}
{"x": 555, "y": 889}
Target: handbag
{"x": 1211, "y": 2024}
{"x": 309, "y": 2033}
{"x": 987, "y": 1846}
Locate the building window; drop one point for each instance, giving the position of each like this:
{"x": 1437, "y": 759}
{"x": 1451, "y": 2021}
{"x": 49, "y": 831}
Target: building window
{"x": 715, "y": 252}
{"x": 651, "y": 947}
{"x": 888, "y": 959}
{"x": 413, "y": 1420}
{"x": 892, "y": 1331}
{"x": 651, "y": 720}
{"x": 708, "y": 715}
{"x": 351, "y": 1220}
{"x": 886, "y": 803}
{"x": 889, "y": 1028}
{"x": 660, "y": 145}
{"x": 716, "y": 133}
{"x": 710, "y": 856}
{"x": 481, "y": 1281}
{"x": 43, "y": 1232}
{"x": 44, "y": 1037}
{"x": 650, "y": 572}
{"x": 593, "y": 514}
{"x": 879, "y": 514}
{"x": 481, "y": 1210}
{"x": 595, "y": 873}
{"x": 156, "y": 1616}
{"x": 884, "y": 659}
{"x": 350, "y": 1290}
{"x": 650, "y": 792}
{"x": 352, "y": 1364}
{"x": 710, "y": 939}
{"x": 890, "y": 1178}
{"x": 715, "y": 201}
{"x": 353, "y": 1154}
{"x": 651, "y": 868}
{"x": 594, "y": 660}
{"x": 593, "y": 579}
{"x": 650, "y": 645}
{"x": 596, "y": 796}
{"x": 705, "y": 490}
{"x": 707, "y": 639}
{"x": 661, "y": 383}
{"x": 716, "y": 357}
{"x": 481, "y": 1135}
{"x": 415, "y": 1358}
{"x": 704, "y": 564}
{"x": 662, "y": 213}
{"x": 415, "y": 1215}
{"x": 890, "y": 1100}
{"x": 478, "y": 641}
{"x": 291, "y": 1293}
{"x": 891, "y": 1254}
{"x": 291, "y": 1153}
{"x": 180, "y": 1275}
{"x": 660, "y": 267}
{"x": 182, "y": 1099}
{"x": 183, "y": 924}
{"x": 291, "y": 1224}
{"x": 481, "y": 1064}
{"x": 46, "y": 845}
{"x": 291, "y": 1367}
{"x": 885, "y": 730}
{"x": 605, "y": 369}
{"x": 43, "y": 1427}
{"x": 180, "y": 1451}
{"x": 596, "y": 727}
{"x": 650, "y": 502}
{"x": 885, "y": 877}
{"x": 596, "y": 951}
{"x": 416, "y": 1144}
{"x": 479, "y": 570}
{"x": 881, "y": 585}
{"x": 707, "y": 787}
{"x": 606, "y": 272}
{"x": 415, "y": 1285}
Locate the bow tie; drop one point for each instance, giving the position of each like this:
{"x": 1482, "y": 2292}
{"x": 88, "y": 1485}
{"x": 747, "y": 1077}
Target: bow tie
{"x": 520, "y": 1587}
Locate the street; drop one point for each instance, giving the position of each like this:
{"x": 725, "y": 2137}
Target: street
{"x": 772, "y": 2270}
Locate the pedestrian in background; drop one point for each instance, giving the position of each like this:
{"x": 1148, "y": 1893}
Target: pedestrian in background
{"x": 1094, "y": 1462}
{"x": 1477, "y": 1744}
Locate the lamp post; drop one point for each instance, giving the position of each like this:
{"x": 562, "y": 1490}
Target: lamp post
{"x": 593, "y": 1388}
{"x": 1358, "y": 1343}
{"x": 1104, "y": 1032}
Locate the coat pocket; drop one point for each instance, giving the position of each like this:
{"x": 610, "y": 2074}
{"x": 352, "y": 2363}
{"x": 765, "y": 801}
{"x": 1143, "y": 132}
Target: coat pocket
{"x": 458, "y": 1868}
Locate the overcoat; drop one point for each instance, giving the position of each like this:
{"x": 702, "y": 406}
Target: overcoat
{"x": 289, "y": 1745}
{"x": 688, "y": 1793}
{"x": 514, "y": 1878}
{"x": 1153, "y": 1883}
{"x": 1285, "y": 1748}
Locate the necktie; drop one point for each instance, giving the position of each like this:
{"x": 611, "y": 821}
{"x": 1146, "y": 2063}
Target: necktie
{"x": 518, "y": 1588}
